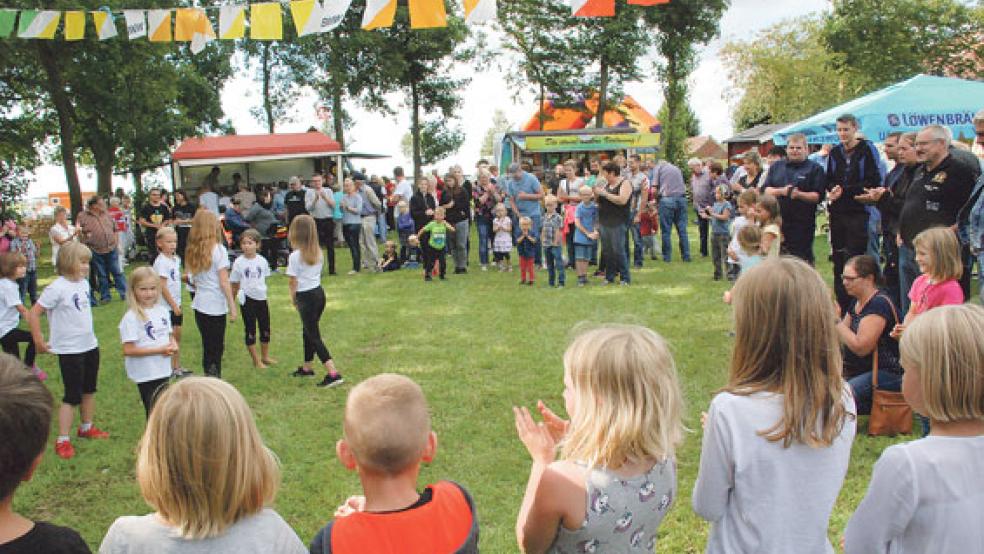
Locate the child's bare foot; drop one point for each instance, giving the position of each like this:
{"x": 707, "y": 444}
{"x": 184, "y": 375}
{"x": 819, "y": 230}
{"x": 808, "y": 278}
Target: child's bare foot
{"x": 259, "y": 365}
{"x": 269, "y": 361}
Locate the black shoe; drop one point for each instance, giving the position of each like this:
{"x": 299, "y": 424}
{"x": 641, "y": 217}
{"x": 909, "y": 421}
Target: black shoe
{"x": 331, "y": 381}
{"x": 443, "y": 278}
{"x": 428, "y": 278}
{"x": 299, "y": 372}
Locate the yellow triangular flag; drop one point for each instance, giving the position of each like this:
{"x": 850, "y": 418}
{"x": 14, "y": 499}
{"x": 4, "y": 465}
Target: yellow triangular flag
{"x": 378, "y": 13}
{"x": 105, "y": 25}
{"x": 426, "y": 14}
{"x": 74, "y": 25}
{"x": 307, "y": 16}
{"x": 159, "y": 24}
{"x": 185, "y": 20}
{"x": 265, "y": 21}
{"x": 232, "y": 22}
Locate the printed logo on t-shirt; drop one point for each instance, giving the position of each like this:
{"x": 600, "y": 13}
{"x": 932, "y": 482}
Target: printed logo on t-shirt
{"x": 173, "y": 275}
{"x": 78, "y": 302}
{"x": 151, "y": 331}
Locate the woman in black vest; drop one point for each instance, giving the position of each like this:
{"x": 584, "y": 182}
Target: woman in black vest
{"x": 613, "y": 194}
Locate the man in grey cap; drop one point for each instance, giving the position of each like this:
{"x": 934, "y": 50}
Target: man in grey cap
{"x": 524, "y": 193}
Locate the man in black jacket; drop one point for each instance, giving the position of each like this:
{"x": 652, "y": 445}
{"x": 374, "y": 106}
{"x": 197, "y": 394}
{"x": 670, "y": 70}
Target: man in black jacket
{"x": 799, "y": 185}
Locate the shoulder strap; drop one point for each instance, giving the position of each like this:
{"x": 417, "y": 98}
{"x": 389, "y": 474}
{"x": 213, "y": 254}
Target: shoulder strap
{"x": 874, "y": 357}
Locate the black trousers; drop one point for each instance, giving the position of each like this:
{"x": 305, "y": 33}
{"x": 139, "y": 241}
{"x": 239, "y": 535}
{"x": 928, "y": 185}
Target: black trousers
{"x": 432, "y": 255}
{"x": 11, "y": 345}
{"x": 269, "y": 248}
{"x": 703, "y": 225}
{"x": 351, "y": 232}
{"x": 256, "y": 312}
{"x": 326, "y": 237}
{"x": 798, "y": 241}
{"x": 310, "y": 306}
{"x": 212, "y": 330}
{"x": 848, "y": 238}
{"x": 890, "y": 254}
{"x": 149, "y": 391}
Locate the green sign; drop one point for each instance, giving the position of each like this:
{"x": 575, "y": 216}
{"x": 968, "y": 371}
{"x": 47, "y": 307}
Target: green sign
{"x": 572, "y": 143}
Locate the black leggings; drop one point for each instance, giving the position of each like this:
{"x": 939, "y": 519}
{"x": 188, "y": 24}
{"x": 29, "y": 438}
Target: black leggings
{"x": 256, "y": 311}
{"x": 212, "y": 330}
{"x": 270, "y": 248}
{"x": 351, "y": 232}
{"x": 149, "y": 391}
{"x": 310, "y": 305}
{"x": 10, "y": 344}
{"x": 432, "y": 255}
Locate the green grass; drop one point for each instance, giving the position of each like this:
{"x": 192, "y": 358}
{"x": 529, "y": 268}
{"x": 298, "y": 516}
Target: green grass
{"x": 478, "y": 344}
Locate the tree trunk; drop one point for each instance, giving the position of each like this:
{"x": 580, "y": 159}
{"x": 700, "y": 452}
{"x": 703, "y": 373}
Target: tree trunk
{"x": 66, "y": 123}
{"x": 105, "y": 160}
{"x": 137, "y": 179}
{"x": 267, "y": 105}
{"x": 674, "y": 104}
{"x": 602, "y": 95}
{"x": 415, "y": 129}
{"x": 543, "y": 116}
{"x": 337, "y": 115}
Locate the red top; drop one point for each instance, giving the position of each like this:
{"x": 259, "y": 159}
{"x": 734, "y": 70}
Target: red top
{"x": 241, "y": 146}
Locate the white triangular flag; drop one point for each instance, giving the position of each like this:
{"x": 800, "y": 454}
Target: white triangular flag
{"x": 332, "y": 13}
{"x": 136, "y": 23}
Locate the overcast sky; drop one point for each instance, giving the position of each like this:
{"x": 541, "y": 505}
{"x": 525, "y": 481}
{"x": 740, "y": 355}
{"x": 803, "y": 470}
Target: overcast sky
{"x": 487, "y": 92}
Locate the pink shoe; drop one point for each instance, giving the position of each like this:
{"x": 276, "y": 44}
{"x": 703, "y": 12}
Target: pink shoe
{"x": 39, "y": 373}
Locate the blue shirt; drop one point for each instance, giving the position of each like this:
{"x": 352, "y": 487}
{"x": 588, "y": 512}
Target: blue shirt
{"x": 587, "y": 214}
{"x": 528, "y": 184}
{"x": 278, "y": 202}
{"x": 720, "y": 226}
{"x": 337, "y": 197}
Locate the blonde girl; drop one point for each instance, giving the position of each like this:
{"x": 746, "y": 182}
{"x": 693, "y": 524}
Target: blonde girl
{"x": 938, "y": 257}
{"x": 308, "y": 298}
{"x": 168, "y": 268}
{"x": 767, "y": 213}
{"x": 248, "y": 277}
{"x": 207, "y": 261}
{"x": 502, "y": 241}
{"x": 777, "y": 439}
{"x": 616, "y": 476}
{"x": 145, "y": 331}
{"x": 927, "y": 495}
{"x": 748, "y": 255}
{"x": 67, "y": 303}
{"x": 202, "y": 466}
{"x": 13, "y": 266}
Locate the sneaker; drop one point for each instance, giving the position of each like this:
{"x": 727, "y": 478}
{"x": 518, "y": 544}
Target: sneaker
{"x": 65, "y": 450}
{"x": 300, "y": 372}
{"x": 623, "y": 283}
{"x": 485, "y": 268}
{"x": 353, "y": 272}
{"x": 93, "y": 433}
{"x": 428, "y": 278}
{"x": 39, "y": 373}
{"x": 522, "y": 282}
{"x": 182, "y": 372}
{"x": 331, "y": 381}
{"x": 530, "y": 283}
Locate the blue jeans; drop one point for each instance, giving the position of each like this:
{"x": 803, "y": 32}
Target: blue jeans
{"x": 381, "y": 226}
{"x": 673, "y": 213}
{"x": 613, "y": 251}
{"x": 534, "y": 232}
{"x": 637, "y": 250}
{"x": 861, "y": 386}
{"x": 484, "y": 235}
{"x": 29, "y": 286}
{"x": 980, "y": 275}
{"x": 555, "y": 263}
{"x": 104, "y": 263}
{"x": 874, "y": 233}
{"x": 908, "y": 271}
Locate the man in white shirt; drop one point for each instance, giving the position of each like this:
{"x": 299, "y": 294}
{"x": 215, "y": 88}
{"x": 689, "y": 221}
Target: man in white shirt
{"x": 320, "y": 204}
{"x": 403, "y": 189}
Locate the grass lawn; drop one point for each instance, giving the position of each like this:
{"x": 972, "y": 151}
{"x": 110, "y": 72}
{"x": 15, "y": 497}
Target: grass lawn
{"x": 478, "y": 344}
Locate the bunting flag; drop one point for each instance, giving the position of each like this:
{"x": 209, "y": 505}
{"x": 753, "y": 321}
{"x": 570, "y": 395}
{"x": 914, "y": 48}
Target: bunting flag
{"x": 38, "y": 24}
{"x": 265, "y": 21}
{"x": 378, "y": 13}
{"x": 7, "y": 19}
{"x": 185, "y": 23}
{"x": 159, "y": 25}
{"x": 427, "y": 14}
{"x": 232, "y": 22}
{"x": 332, "y": 13}
{"x": 479, "y": 11}
{"x": 203, "y": 33}
{"x": 647, "y": 2}
{"x": 105, "y": 26}
{"x": 136, "y": 23}
{"x": 307, "y": 16}
{"x": 74, "y": 25}
{"x": 593, "y": 8}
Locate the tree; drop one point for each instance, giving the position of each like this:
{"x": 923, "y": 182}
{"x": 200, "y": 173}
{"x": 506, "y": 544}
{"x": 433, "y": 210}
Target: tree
{"x": 687, "y": 120}
{"x": 437, "y": 141}
{"x": 499, "y": 125}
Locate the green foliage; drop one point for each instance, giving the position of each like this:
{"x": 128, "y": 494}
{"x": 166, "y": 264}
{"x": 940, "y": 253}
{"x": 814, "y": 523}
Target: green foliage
{"x": 499, "y": 125}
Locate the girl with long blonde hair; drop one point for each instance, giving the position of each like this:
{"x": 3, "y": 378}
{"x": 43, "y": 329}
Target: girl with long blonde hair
{"x": 777, "y": 439}
{"x": 616, "y": 476}
{"x": 308, "y": 298}
{"x": 203, "y": 467}
{"x": 147, "y": 336}
{"x": 207, "y": 261}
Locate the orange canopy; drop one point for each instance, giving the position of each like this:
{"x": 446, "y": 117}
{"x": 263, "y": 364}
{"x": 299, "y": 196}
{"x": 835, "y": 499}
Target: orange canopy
{"x": 628, "y": 113}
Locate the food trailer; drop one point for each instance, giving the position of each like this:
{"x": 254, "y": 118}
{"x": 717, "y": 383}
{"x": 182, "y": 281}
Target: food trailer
{"x": 542, "y": 150}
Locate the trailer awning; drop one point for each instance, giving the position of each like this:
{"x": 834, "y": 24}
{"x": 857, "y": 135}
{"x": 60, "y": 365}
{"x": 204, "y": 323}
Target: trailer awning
{"x": 254, "y": 148}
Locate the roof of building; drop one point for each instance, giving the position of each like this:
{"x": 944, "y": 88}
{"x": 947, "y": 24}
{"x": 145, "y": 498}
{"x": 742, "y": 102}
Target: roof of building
{"x": 759, "y": 133}
{"x": 234, "y": 146}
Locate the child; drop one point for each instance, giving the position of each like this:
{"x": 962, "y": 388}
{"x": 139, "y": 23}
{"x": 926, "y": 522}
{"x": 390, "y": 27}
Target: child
{"x": 648, "y": 224}
{"x": 351, "y": 205}
{"x": 412, "y": 260}
{"x": 168, "y": 268}
{"x": 26, "y": 246}
{"x": 720, "y": 215}
{"x": 386, "y": 436}
{"x": 746, "y": 215}
{"x": 307, "y": 296}
{"x": 927, "y": 495}
{"x": 390, "y": 261}
{"x": 585, "y": 234}
{"x": 748, "y": 254}
{"x": 616, "y": 476}
{"x": 12, "y": 267}
{"x": 67, "y": 303}
{"x": 552, "y": 234}
{"x": 145, "y": 331}
{"x": 25, "y": 420}
{"x": 207, "y": 261}
{"x": 203, "y": 467}
{"x": 248, "y": 280}
{"x": 502, "y": 241}
{"x": 777, "y": 440}
{"x": 404, "y": 227}
{"x": 938, "y": 257}
{"x": 526, "y": 248}
{"x": 767, "y": 214}
{"x": 436, "y": 231}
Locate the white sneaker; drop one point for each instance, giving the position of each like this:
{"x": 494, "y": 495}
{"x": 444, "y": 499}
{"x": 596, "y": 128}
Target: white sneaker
{"x": 485, "y": 268}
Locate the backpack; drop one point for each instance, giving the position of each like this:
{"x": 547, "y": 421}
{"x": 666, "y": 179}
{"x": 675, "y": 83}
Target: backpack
{"x": 404, "y": 222}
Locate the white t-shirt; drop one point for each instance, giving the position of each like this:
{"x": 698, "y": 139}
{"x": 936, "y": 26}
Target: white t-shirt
{"x": 262, "y": 533}
{"x": 736, "y": 226}
{"x": 924, "y": 496}
{"x": 209, "y": 298}
{"x": 251, "y": 276}
{"x": 9, "y": 300}
{"x": 69, "y": 307}
{"x": 169, "y": 267}
{"x": 759, "y": 496}
{"x": 62, "y": 233}
{"x": 308, "y": 276}
{"x": 154, "y": 332}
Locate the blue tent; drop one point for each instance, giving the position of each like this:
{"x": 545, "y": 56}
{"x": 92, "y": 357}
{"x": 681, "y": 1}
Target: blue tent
{"x": 906, "y": 106}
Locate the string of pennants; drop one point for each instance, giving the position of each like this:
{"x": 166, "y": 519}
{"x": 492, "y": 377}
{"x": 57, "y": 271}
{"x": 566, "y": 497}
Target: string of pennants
{"x": 265, "y": 22}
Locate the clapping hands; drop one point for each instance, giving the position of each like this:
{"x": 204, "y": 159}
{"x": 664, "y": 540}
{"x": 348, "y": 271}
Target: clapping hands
{"x": 540, "y": 438}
